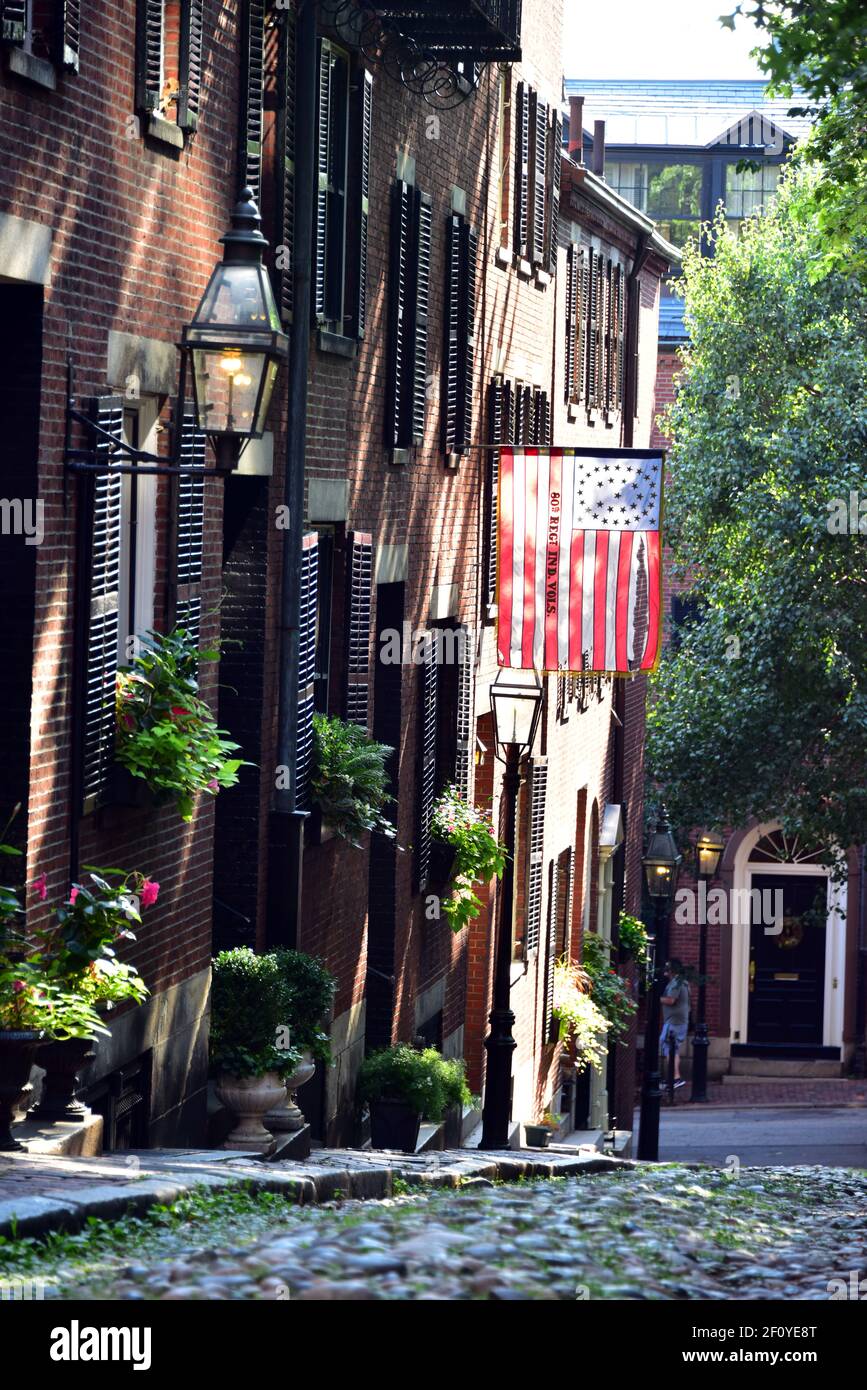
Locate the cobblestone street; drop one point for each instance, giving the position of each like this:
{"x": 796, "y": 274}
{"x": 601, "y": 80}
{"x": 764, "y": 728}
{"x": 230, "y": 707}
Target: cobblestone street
{"x": 669, "y": 1232}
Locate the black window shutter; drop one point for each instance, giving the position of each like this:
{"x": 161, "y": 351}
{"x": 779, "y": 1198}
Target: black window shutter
{"x": 427, "y": 758}
{"x": 189, "y": 524}
{"x": 306, "y": 666}
{"x": 149, "y": 55}
{"x": 539, "y": 248}
{"x": 465, "y": 760}
{"x": 452, "y": 346}
{"x": 101, "y": 592}
{"x": 522, "y": 168}
{"x": 548, "y": 1032}
{"x": 399, "y": 327}
{"x": 358, "y": 321}
{"x": 360, "y": 562}
{"x": 554, "y": 167}
{"x": 573, "y": 275}
{"x": 287, "y": 165}
{"x": 617, "y": 330}
{"x": 538, "y": 791}
{"x": 541, "y": 419}
{"x": 69, "y": 34}
{"x": 469, "y": 263}
{"x": 499, "y": 411}
{"x": 13, "y": 21}
{"x": 191, "y": 63}
{"x": 584, "y": 304}
{"x": 421, "y": 311}
{"x": 634, "y": 312}
{"x": 593, "y": 312}
{"x": 323, "y": 147}
{"x": 252, "y": 89}
{"x": 610, "y": 342}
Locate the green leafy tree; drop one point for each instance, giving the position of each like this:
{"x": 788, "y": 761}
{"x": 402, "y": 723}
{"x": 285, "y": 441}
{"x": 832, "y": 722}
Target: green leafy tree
{"x": 762, "y": 709}
{"x": 819, "y": 48}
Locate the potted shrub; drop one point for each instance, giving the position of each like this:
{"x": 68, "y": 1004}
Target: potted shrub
{"x": 538, "y": 1135}
{"x": 348, "y": 782}
{"x": 250, "y": 1054}
{"x": 477, "y": 855}
{"x": 403, "y": 1085}
{"x": 166, "y": 734}
{"x": 311, "y": 994}
{"x": 77, "y": 951}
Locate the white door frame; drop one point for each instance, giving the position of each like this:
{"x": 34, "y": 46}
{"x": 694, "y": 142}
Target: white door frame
{"x": 835, "y": 940}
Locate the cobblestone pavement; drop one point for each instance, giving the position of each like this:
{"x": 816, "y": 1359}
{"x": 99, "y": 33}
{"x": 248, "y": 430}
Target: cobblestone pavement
{"x": 637, "y": 1232}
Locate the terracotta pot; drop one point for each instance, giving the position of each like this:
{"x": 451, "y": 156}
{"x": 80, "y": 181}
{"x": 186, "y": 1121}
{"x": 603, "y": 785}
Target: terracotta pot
{"x": 17, "y": 1055}
{"x": 286, "y": 1115}
{"x": 249, "y": 1098}
{"x": 62, "y": 1062}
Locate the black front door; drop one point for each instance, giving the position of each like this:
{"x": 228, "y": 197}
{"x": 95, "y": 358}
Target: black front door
{"x": 787, "y": 967}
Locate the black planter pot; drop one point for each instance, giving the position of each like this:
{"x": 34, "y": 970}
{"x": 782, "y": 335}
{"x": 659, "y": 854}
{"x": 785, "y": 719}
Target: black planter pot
{"x": 537, "y": 1136}
{"x": 442, "y": 861}
{"x": 62, "y": 1062}
{"x": 17, "y": 1055}
{"x": 394, "y": 1125}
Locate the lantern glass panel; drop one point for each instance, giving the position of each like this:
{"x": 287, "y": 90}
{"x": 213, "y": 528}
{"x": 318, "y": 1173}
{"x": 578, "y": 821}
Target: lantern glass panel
{"x": 227, "y": 384}
{"x": 238, "y": 296}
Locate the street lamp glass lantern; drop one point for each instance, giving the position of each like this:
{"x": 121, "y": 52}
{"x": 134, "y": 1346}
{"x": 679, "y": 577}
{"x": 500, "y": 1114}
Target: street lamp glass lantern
{"x": 709, "y": 848}
{"x": 516, "y": 706}
{"x": 661, "y": 861}
{"x": 235, "y": 341}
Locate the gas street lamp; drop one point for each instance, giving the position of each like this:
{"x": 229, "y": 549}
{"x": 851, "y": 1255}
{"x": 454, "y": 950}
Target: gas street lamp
{"x": 661, "y": 863}
{"x": 516, "y": 706}
{"x": 709, "y": 848}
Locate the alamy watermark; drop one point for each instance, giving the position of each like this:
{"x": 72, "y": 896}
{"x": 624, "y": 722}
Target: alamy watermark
{"x": 737, "y": 907}
{"x": 23, "y": 516}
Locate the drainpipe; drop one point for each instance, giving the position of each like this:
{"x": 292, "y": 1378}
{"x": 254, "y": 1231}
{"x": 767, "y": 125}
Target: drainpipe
{"x": 633, "y": 309}
{"x": 287, "y": 820}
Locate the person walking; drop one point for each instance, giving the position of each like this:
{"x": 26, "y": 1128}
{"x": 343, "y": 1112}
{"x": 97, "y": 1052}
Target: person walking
{"x": 675, "y": 1015}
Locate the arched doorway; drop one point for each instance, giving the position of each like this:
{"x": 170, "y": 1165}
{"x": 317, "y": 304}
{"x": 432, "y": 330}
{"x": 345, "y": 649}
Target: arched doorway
{"x": 788, "y": 935}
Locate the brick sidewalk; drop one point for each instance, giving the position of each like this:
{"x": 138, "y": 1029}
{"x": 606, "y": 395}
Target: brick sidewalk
{"x": 815, "y": 1094}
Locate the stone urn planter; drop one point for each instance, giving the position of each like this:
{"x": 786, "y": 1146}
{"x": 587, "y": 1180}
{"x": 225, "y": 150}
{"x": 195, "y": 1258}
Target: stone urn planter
{"x": 17, "y": 1055}
{"x": 62, "y": 1062}
{"x": 249, "y": 1098}
{"x": 286, "y": 1116}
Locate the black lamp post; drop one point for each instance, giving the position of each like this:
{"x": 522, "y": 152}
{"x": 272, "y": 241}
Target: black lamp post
{"x": 516, "y": 706}
{"x": 235, "y": 341}
{"x": 709, "y": 847}
{"x": 660, "y": 866}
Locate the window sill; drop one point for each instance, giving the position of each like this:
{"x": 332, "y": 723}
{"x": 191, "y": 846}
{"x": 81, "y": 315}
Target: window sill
{"x": 543, "y": 278}
{"x": 572, "y": 411}
{"x": 164, "y": 132}
{"x": 398, "y": 458}
{"x": 36, "y": 70}
{"x": 503, "y": 257}
{"x": 336, "y": 344}
{"x": 452, "y": 462}
{"x": 525, "y": 270}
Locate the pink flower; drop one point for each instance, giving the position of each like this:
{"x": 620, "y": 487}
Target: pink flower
{"x": 149, "y": 892}
{"x": 73, "y": 895}
{"x": 178, "y": 712}
{"x": 39, "y": 885}
{"x": 18, "y": 987}
{"x": 213, "y": 785}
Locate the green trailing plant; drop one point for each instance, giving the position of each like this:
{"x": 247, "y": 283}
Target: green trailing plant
{"x": 78, "y": 948}
{"x": 348, "y": 781}
{"x": 166, "y": 734}
{"x": 311, "y": 992}
{"x": 607, "y": 988}
{"x": 582, "y": 1025}
{"x": 424, "y": 1080}
{"x": 31, "y": 1002}
{"x": 633, "y": 938}
{"x": 479, "y": 856}
{"x": 251, "y": 1005}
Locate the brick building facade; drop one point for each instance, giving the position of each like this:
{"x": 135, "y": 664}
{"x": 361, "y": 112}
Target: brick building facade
{"x": 443, "y": 244}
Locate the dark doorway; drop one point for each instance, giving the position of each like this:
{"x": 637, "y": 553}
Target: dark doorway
{"x": 787, "y": 967}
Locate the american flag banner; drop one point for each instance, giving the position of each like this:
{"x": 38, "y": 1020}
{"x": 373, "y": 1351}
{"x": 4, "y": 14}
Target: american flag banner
{"x": 579, "y": 575}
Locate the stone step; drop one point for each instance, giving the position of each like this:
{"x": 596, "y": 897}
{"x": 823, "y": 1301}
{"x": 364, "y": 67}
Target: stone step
{"x": 774, "y": 1068}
